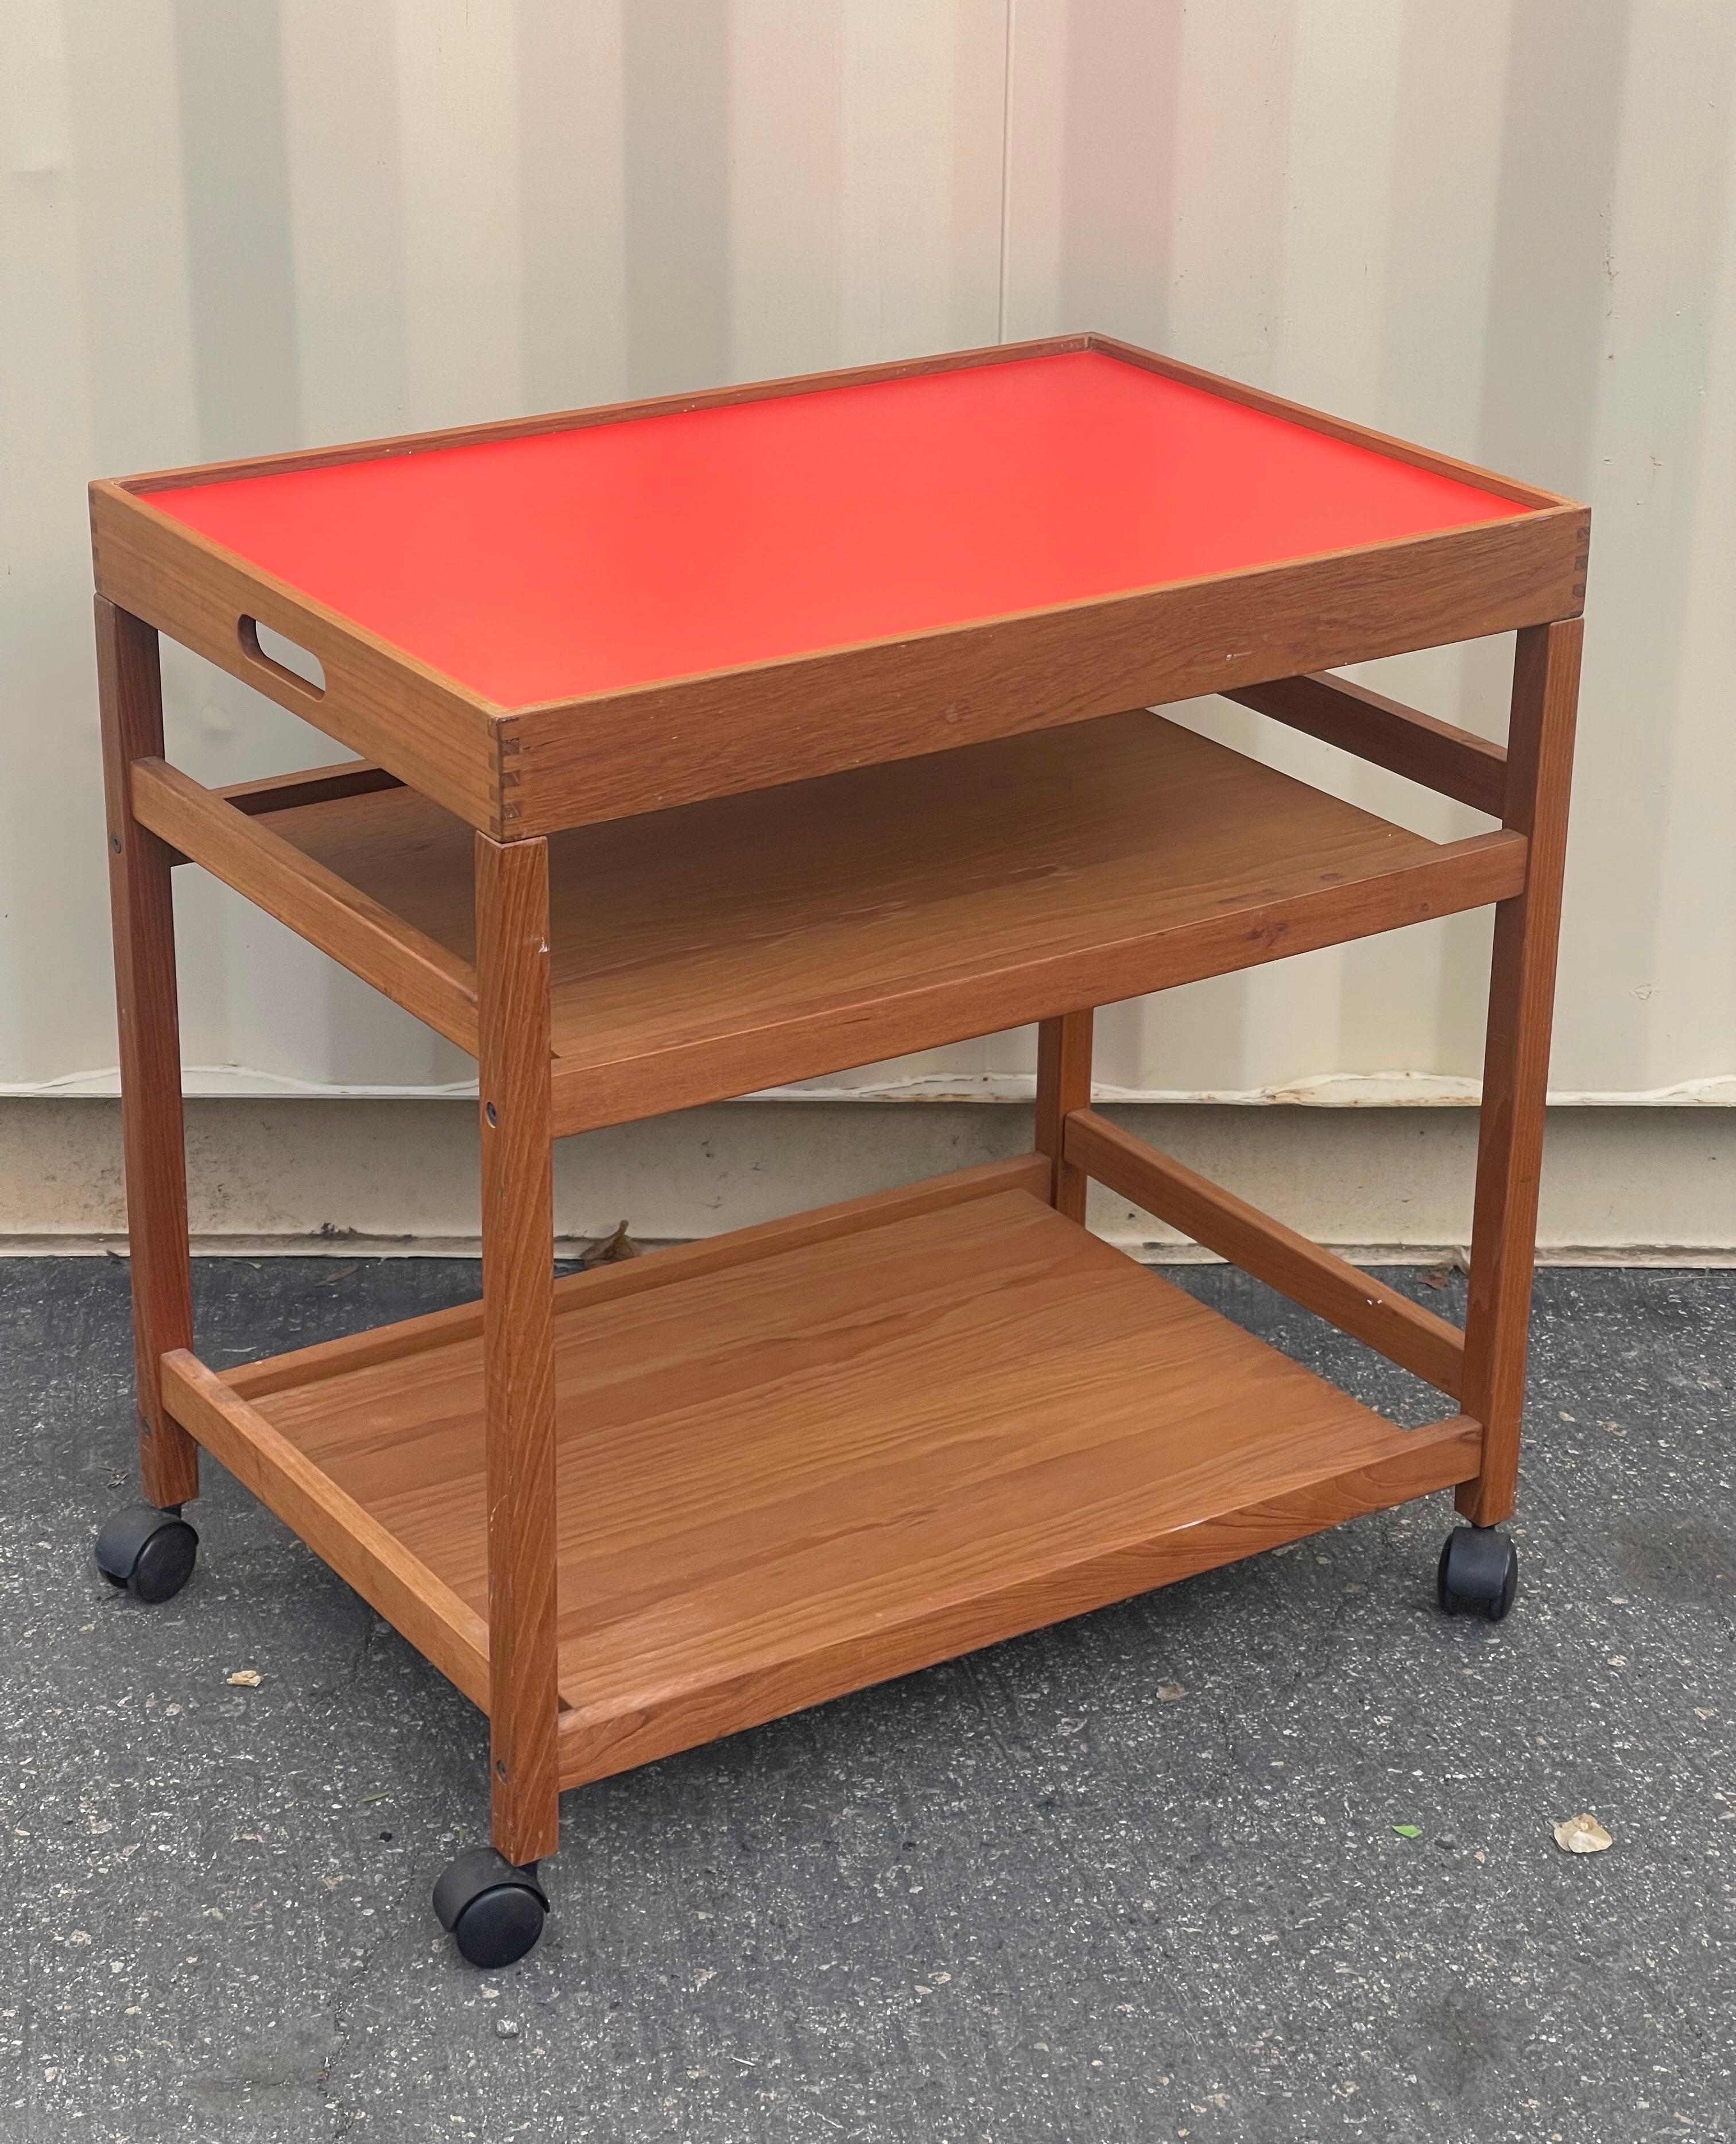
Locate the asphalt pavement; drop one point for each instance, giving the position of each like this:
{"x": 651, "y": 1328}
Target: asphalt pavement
{"x": 1269, "y": 1855}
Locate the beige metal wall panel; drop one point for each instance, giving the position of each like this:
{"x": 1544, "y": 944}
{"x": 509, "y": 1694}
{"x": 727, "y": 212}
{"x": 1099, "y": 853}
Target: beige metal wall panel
{"x": 1507, "y": 227}
{"x": 1507, "y": 230}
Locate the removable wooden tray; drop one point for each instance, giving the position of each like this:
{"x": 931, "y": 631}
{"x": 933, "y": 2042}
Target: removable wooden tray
{"x": 569, "y": 619}
{"x": 812, "y": 1455}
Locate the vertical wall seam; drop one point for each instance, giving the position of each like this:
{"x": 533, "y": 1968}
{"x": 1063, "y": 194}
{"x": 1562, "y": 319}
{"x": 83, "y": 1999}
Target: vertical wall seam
{"x": 1006, "y": 167}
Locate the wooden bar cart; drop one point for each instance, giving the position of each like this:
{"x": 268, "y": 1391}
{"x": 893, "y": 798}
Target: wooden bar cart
{"x": 728, "y": 740}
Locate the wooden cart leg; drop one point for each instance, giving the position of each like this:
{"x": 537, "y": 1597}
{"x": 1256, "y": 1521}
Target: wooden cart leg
{"x": 1516, "y": 1063}
{"x": 517, "y": 1270}
{"x": 1063, "y": 1084}
{"x": 140, "y": 884}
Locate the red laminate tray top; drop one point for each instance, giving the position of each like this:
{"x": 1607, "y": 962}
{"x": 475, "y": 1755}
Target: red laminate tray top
{"x": 561, "y": 564}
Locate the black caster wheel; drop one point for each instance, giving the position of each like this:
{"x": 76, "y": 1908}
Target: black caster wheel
{"x": 492, "y": 1911}
{"x": 1478, "y": 1573}
{"x": 148, "y": 1553}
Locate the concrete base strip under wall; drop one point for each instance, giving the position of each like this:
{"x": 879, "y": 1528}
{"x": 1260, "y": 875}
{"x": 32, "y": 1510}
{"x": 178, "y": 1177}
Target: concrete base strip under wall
{"x": 272, "y": 1175}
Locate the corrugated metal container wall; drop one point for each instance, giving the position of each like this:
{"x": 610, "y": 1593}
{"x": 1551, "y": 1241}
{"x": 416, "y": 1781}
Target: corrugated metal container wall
{"x": 1505, "y": 229}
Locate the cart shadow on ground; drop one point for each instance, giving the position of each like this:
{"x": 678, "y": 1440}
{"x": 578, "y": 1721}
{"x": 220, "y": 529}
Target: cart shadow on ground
{"x": 1269, "y": 1855}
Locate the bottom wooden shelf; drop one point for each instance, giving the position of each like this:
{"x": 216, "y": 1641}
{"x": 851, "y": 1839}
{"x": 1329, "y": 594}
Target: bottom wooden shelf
{"x": 812, "y": 1457}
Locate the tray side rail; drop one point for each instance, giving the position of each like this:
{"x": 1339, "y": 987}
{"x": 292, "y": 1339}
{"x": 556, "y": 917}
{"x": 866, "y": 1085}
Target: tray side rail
{"x": 205, "y": 826}
{"x": 1428, "y": 1347}
{"x": 570, "y": 763}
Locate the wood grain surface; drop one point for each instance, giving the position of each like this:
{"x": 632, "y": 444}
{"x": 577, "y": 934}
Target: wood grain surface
{"x": 747, "y": 941}
{"x": 141, "y": 900}
{"x": 785, "y": 1477}
{"x": 1388, "y": 734}
{"x": 1356, "y": 1302}
{"x": 517, "y": 1276}
{"x": 666, "y": 1268}
{"x": 914, "y": 1634}
{"x": 245, "y": 852}
{"x": 1515, "y": 1061}
{"x": 443, "y": 1629}
{"x": 1064, "y": 1085}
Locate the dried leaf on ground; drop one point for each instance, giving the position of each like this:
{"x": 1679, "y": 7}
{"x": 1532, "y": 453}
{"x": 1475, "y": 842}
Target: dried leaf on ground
{"x": 248, "y": 1678}
{"x": 608, "y": 1250}
{"x": 1582, "y": 1834}
{"x": 1170, "y": 1691}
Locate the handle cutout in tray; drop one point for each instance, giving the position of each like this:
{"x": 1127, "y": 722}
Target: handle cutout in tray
{"x": 286, "y": 659}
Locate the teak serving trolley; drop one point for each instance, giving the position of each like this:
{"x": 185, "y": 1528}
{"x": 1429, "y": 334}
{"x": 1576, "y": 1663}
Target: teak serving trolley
{"x": 728, "y": 740}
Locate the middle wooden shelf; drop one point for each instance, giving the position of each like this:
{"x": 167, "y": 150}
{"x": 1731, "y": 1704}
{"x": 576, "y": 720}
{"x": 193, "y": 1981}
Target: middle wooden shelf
{"x": 740, "y": 943}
